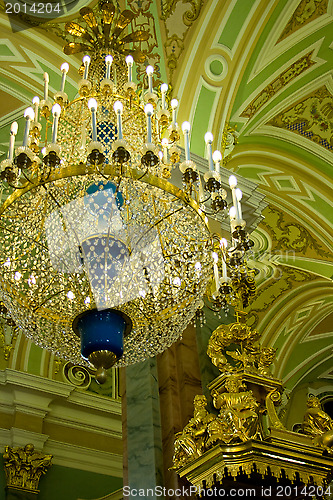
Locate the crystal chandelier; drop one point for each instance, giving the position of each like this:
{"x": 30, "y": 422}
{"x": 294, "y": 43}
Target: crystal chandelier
{"x": 104, "y": 258}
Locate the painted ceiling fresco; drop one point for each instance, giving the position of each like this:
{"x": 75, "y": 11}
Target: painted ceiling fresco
{"x": 262, "y": 70}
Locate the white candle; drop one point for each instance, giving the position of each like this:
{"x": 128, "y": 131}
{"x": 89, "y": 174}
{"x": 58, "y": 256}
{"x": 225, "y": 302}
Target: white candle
{"x": 129, "y": 61}
{"x": 92, "y": 105}
{"x": 149, "y": 110}
{"x": 217, "y": 157}
{"x": 108, "y": 62}
{"x": 29, "y": 116}
{"x": 46, "y": 86}
{"x": 86, "y": 62}
{"x": 35, "y": 102}
{"x": 174, "y": 105}
{"x": 239, "y": 196}
{"x": 165, "y": 143}
{"x": 164, "y": 90}
{"x": 232, "y": 215}
{"x": 150, "y": 71}
{"x": 186, "y": 127}
{"x": 201, "y": 191}
{"x": 118, "y": 107}
{"x": 224, "y": 244}
{"x": 233, "y": 184}
{"x": 13, "y": 132}
{"x": 64, "y": 70}
{"x": 216, "y": 276}
{"x": 209, "y": 141}
{"x": 56, "y": 110}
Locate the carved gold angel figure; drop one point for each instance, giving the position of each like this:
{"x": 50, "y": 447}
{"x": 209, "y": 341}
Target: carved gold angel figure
{"x": 318, "y": 424}
{"x": 191, "y": 442}
{"x": 238, "y": 414}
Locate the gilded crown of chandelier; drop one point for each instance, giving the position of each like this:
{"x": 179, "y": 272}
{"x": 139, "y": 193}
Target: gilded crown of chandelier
{"x": 95, "y": 219}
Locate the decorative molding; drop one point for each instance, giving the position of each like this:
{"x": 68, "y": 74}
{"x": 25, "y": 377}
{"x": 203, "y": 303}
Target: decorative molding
{"x": 219, "y": 58}
{"x": 306, "y": 11}
{"x": 284, "y": 79}
{"x": 314, "y": 48}
{"x": 88, "y": 459}
{"x": 311, "y": 117}
{"x": 171, "y": 10}
{"x": 271, "y": 50}
{"x": 20, "y": 437}
{"x": 290, "y": 235}
{"x": 71, "y": 417}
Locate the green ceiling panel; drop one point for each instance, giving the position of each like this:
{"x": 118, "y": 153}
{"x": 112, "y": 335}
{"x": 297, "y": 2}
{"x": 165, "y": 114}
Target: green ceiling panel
{"x": 235, "y": 23}
{"x": 5, "y": 51}
{"x": 201, "y": 120}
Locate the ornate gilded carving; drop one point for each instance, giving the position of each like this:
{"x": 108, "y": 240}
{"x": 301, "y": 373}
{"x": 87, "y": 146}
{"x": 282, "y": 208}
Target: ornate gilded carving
{"x": 273, "y": 398}
{"x": 238, "y": 414}
{"x": 307, "y": 11}
{"x": 238, "y": 444}
{"x": 296, "y": 69}
{"x": 318, "y": 424}
{"x": 249, "y": 354}
{"x": 290, "y": 235}
{"x": 168, "y": 7}
{"x": 311, "y": 117}
{"x": 77, "y": 375}
{"x": 25, "y": 466}
{"x": 192, "y": 441}
{"x": 239, "y": 394}
{"x": 178, "y": 18}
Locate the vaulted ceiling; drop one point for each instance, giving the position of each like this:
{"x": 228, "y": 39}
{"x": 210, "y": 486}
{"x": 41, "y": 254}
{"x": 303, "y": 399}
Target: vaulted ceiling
{"x": 258, "y": 74}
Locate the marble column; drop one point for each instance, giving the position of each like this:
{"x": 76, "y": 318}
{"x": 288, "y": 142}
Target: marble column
{"x": 143, "y": 427}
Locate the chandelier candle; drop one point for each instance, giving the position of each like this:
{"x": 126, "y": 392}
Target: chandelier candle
{"x": 64, "y": 70}
{"x": 149, "y": 110}
{"x": 217, "y": 158}
{"x": 108, "y": 62}
{"x": 92, "y": 105}
{"x": 209, "y": 141}
{"x": 35, "y": 102}
{"x": 56, "y": 110}
{"x": 129, "y": 61}
{"x": 86, "y": 62}
{"x": 186, "y": 127}
{"x": 223, "y": 245}
{"x": 233, "y": 184}
{"x": 239, "y": 196}
{"x": 164, "y": 90}
{"x": 13, "y": 132}
{"x": 165, "y": 144}
{"x": 118, "y": 107}
{"x": 150, "y": 71}
{"x": 174, "y": 105}
{"x": 29, "y": 116}
{"x": 216, "y": 270}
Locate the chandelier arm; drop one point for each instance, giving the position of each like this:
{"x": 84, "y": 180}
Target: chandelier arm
{"x": 213, "y": 310}
{"x": 142, "y": 176}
